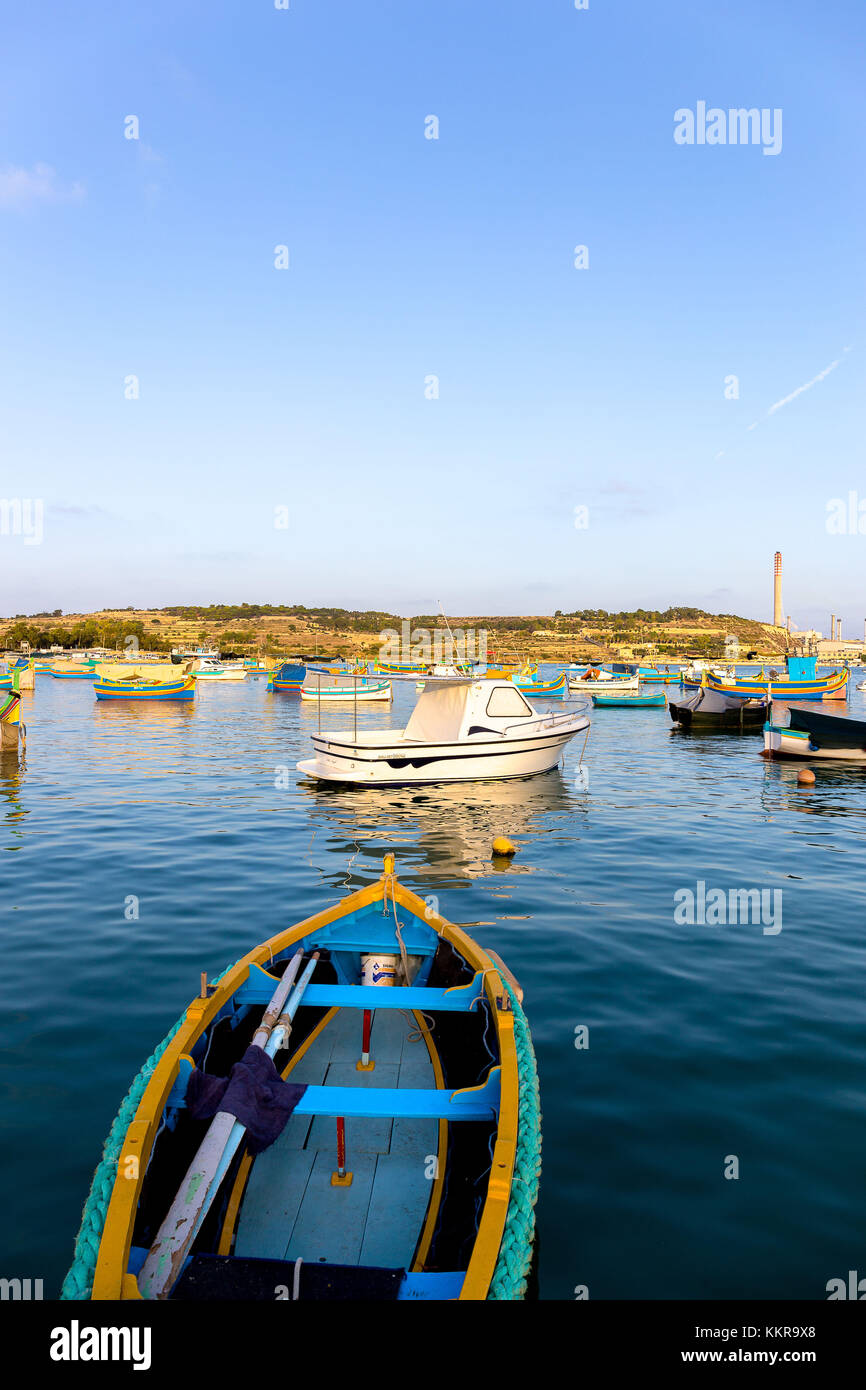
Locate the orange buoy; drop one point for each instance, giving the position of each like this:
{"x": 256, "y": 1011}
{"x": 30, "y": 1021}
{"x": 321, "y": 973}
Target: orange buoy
{"x": 503, "y": 846}
{"x": 805, "y": 777}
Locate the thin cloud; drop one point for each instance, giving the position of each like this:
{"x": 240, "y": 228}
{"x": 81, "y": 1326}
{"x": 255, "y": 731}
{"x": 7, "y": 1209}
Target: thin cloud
{"x": 20, "y": 188}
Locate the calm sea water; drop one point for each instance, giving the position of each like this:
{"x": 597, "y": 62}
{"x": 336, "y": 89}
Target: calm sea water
{"x": 704, "y": 1041}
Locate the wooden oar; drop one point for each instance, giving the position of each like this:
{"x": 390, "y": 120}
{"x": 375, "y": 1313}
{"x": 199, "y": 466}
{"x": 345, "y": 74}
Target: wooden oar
{"x": 271, "y": 1046}
{"x": 197, "y": 1190}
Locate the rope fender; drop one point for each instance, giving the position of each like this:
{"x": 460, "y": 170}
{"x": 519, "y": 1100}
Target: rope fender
{"x": 518, "y": 1237}
{"x": 78, "y": 1283}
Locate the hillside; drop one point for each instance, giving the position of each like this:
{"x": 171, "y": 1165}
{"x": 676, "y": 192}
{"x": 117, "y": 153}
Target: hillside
{"x": 283, "y": 630}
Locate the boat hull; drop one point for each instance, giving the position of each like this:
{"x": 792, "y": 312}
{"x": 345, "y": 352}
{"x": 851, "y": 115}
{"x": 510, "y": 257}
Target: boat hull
{"x": 743, "y": 718}
{"x": 406, "y": 765}
{"x": 795, "y": 744}
{"x": 125, "y": 690}
{"x": 542, "y": 690}
{"x": 579, "y": 686}
{"x": 10, "y": 722}
{"x": 833, "y": 687}
{"x": 629, "y": 701}
{"x": 382, "y": 691}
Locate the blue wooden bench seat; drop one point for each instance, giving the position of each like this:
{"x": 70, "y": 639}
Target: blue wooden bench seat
{"x": 259, "y": 987}
{"x": 478, "y": 1103}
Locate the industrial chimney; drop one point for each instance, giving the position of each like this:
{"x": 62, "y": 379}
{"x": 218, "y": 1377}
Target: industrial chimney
{"x": 778, "y": 618}
{"x": 832, "y": 627}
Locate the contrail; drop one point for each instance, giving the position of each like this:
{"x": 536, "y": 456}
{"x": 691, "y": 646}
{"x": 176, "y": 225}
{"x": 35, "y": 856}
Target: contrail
{"x": 807, "y": 386}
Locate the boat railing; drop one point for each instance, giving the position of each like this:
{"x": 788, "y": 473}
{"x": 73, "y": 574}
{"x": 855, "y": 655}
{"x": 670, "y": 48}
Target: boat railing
{"x": 548, "y": 720}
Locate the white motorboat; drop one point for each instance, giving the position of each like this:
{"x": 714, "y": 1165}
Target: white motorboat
{"x": 209, "y": 669}
{"x": 330, "y": 685}
{"x": 460, "y": 730}
{"x": 595, "y": 679}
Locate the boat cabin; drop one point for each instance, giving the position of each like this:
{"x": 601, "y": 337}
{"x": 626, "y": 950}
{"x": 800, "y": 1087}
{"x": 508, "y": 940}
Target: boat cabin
{"x": 452, "y": 711}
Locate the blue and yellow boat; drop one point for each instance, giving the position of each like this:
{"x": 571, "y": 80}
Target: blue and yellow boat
{"x": 399, "y": 668}
{"x": 627, "y": 701}
{"x": 528, "y": 684}
{"x": 73, "y": 671}
{"x": 404, "y": 1159}
{"x": 10, "y": 720}
{"x": 289, "y": 676}
{"x": 139, "y": 688}
{"x": 799, "y": 683}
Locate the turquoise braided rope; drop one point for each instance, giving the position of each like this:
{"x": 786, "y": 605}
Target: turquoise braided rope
{"x": 518, "y": 1237}
{"x": 78, "y": 1283}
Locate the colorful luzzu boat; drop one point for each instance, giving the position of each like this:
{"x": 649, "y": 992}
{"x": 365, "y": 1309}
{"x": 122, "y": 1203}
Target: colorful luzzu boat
{"x": 813, "y": 734}
{"x": 289, "y": 676}
{"x": 594, "y": 678}
{"x": 398, "y": 668}
{"x": 799, "y": 683}
{"x": 322, "y": 684}
{"x": 651, "y": 675}
{"x": 10, "y": 721}
{"x": 540, "y": 689}
{"x": 405, "y": 1158}
{"x": 630, "y": 701}
{"x": 73, "y": 671}
{"x": 139, "y": 688}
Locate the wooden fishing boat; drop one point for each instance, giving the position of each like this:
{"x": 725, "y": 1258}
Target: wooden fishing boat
{"x": 398, "y": 668}
{"x": 553, "y": 689}
{"x": 628, "y": 701}
{"x": 461, "y": 730}
{"x": 320, "y": 684}
{"x": 707, "y": 709}
{"x": 820, "y": 734}
{"x": 289, "y": 676}
{"x": 405, "y": 1158}
{"x": 70, "y": 672}
{"x": 594, "y": 679}
{"x": 139, "y": 688}
{"x": 11, "y": 728}
{"x": 652, "y": 675}
{"x": 208, "y": 669}
{"x": 800, "y": 682}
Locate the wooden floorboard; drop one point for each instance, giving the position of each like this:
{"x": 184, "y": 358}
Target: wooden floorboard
{"x": 290, "y": 1207}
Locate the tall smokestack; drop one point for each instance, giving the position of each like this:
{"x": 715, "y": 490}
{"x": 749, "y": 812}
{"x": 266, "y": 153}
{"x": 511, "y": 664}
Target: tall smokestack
{"x": 838, "y": 629}
{"x": 832, "y": 627}
{"x": 778, "y": 618}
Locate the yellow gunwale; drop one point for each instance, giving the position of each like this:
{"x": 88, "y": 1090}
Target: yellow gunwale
{"x": 110, "y": 1280}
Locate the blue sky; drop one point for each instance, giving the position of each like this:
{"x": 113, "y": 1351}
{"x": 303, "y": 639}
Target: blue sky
{"x": 409, "y": 258}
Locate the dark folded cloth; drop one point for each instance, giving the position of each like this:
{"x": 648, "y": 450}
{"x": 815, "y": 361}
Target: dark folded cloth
{"x": 254, "y": 1093}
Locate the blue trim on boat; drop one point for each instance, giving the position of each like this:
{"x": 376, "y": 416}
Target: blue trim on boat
{"x": 386, "y": 1102}
{"x": 377, "y": 997}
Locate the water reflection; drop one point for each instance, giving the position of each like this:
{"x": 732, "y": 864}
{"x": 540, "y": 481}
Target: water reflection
{"x": 447, "y": 830}
{"x": 838, "y": 790}
{"x": 12, "y": 768}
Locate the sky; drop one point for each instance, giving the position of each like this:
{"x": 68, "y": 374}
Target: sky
{"x": 438, "y": 398}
